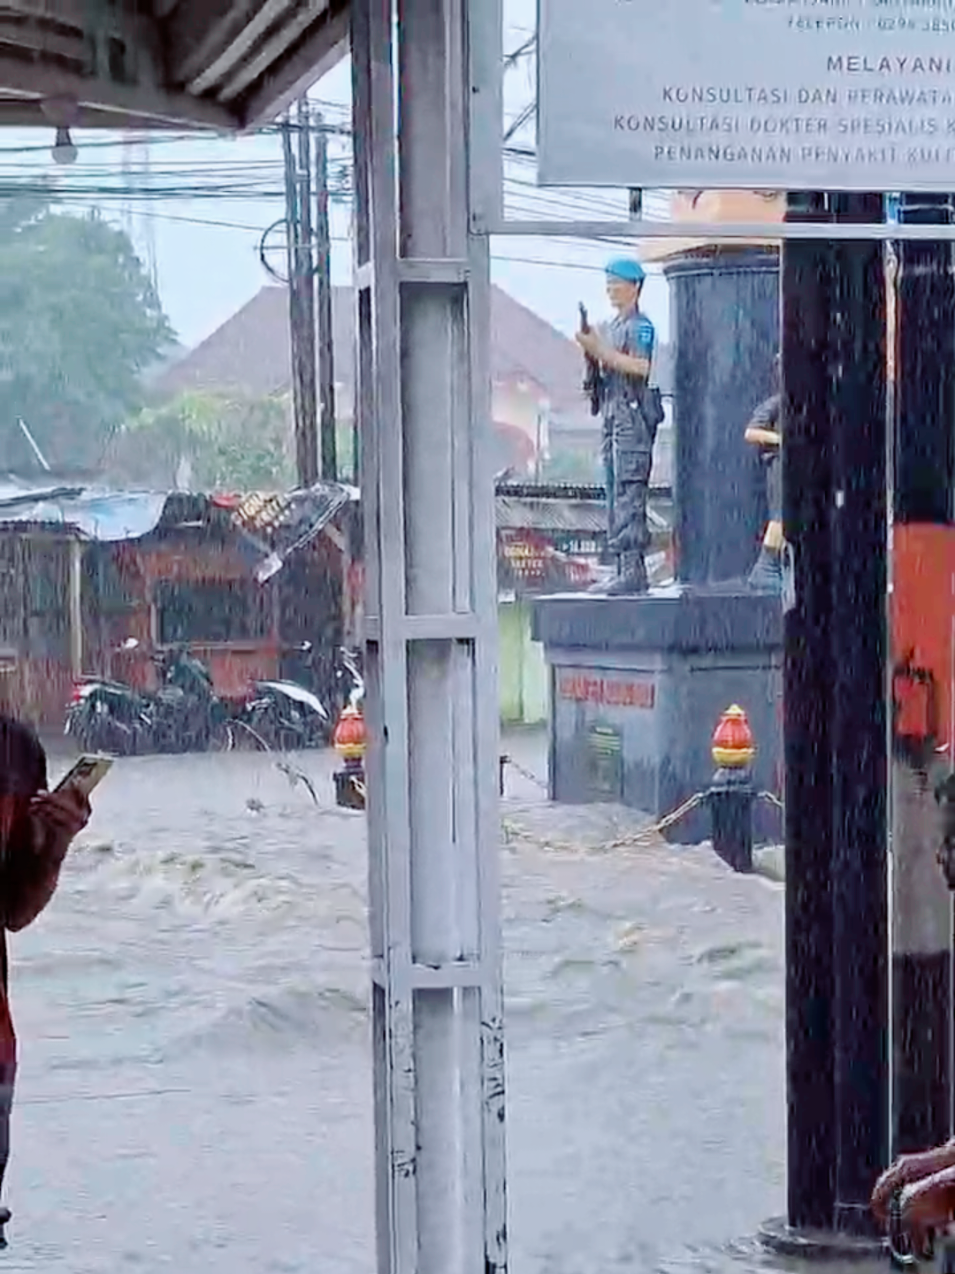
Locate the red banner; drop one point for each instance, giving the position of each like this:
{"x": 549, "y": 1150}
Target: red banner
{"x": 612, "y": 692}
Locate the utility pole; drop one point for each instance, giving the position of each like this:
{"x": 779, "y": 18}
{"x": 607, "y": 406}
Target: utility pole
{"x": 323, "y": 292}
{"x": 300, "y": 296}
{"x": 355, "y": 424}
{"x": 292, "y": 235}
{"x": 307, "y": 442}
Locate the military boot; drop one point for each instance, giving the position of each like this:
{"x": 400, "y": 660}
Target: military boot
{"x": 632, "y": 578}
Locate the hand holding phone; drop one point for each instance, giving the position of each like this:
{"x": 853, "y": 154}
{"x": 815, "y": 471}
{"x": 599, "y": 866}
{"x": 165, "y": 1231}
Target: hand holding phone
{"x": 59, "y": 816}
{"x": 86, "y": 775}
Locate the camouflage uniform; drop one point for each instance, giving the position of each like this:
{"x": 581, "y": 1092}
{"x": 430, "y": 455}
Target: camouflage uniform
{"x": 627, "y": 448}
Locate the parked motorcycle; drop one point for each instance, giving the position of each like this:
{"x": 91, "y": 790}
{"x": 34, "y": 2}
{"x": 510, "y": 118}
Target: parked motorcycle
{"x": 284, "y": 715}
{"x": 187, "y": 714}
{"x": 350, "y": 677}
{"x": 108, "y": 716}
{"x": 183, "y": 715}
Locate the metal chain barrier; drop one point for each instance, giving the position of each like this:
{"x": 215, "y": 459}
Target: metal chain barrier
{"x": 644, "y": 836}
{"x": 525, "y": 774}
{"x": 632, "y": 840}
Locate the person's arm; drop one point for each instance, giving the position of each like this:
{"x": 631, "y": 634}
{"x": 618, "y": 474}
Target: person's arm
{"x": 635, "y": 361}
{"x": 635, "y": 365}
{"x": 762, "y": 437}
{"x": 763, "y": 429}
{"x": 907, "y": 1170}
{"x": 30, "y": 865}
{"x": 928, "y": 1207}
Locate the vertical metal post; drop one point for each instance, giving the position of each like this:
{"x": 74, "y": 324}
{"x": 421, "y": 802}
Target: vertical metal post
{"x": 76, "y": 608}
{"x": 323, "y": 297}
{"x": 811, "y": 1153}
{"x": 306, "y": 443}
{"x": 293, "y": 235}
{"x": 858, "y": 657}
{"x": 923, "y": 490}
{"x": 430, "y": 628}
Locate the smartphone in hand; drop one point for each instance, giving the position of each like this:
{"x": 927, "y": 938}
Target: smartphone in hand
{"x": 86, "y": 775}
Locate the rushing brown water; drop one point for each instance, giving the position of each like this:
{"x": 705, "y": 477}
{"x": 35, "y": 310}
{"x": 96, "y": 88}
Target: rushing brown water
{"x": 195, "y": 1067}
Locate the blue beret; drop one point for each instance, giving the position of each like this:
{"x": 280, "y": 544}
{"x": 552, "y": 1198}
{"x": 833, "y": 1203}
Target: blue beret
{"x": 627, "y": 269}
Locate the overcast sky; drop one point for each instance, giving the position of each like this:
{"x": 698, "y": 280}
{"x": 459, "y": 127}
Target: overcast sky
{"x": 206, "y": 250}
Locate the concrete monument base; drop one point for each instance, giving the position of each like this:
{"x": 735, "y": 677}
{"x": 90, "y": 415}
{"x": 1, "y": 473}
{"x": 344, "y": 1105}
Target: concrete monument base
{"x": 638, "y": 685}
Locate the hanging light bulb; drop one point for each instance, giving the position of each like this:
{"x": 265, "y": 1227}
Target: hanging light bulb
{"x": 64, "y": 152}
{"x": 63, "y": 114}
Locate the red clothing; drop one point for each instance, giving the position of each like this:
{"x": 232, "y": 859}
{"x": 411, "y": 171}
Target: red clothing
{"x": 29, "y": 869}
{"x": 28, "y": 878}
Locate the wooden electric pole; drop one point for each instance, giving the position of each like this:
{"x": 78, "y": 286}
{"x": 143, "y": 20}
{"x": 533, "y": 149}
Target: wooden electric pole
{"x": 323, "y": 295}
{"x": 300, "y": 258}
{"x": 307, "y": 441}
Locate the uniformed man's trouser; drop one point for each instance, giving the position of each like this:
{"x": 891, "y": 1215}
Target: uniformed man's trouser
{"x": 629, "y": 530}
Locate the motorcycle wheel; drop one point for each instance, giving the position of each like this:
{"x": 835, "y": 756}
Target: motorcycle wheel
{"x": 222, "y": 737}
{"x": 289, "y": 739}
{"x": 80, "y": 733}
{"x": 261, "y": 726}
{"x": 94, "y": 734}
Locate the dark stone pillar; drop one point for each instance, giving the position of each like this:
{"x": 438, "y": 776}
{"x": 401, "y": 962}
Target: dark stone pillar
{"x": 725, "y": 322}
{"x": 807, "y": 505}
{"x": 924, "y": 479}
{"x": 859, "y": 893}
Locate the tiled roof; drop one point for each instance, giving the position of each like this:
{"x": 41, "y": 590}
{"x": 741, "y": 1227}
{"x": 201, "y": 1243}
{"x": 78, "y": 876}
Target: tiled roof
{"x": 251, "y": 352}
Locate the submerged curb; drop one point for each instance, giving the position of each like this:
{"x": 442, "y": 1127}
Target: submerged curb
{"x": 769, "y": 861}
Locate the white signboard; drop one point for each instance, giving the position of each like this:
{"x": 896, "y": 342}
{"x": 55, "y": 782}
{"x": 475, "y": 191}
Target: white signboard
{"x": 747, "y": 94}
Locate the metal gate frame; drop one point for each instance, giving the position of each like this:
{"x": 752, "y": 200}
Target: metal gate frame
{"x": 424, "y": 96}
{"x": 427, "y": 81}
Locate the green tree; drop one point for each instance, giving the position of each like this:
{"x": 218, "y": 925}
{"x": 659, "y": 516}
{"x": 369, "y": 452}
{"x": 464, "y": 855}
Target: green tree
{"x": 79, "y": 323}
{"x": 208, "y": 442}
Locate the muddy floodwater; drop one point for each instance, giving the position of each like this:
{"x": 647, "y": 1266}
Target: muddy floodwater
{"x": 195, "y": 1065}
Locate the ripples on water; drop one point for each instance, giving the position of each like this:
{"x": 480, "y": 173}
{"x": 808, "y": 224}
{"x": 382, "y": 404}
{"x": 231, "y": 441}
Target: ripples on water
{"x": 195, "y": 1072}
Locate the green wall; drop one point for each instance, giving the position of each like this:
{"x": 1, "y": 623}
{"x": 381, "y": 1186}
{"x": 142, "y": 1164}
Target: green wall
{"x": 522, "y": 670}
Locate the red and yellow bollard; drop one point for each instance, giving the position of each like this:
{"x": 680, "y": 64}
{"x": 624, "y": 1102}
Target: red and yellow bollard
{"x": 348, "y": 741}
{"x": 731, "y": 794}
{"x": 733, "y": 746}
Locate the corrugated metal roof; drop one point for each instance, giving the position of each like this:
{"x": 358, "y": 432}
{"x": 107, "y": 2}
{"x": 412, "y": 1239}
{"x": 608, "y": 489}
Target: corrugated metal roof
{"x": 89, "y": 513}
{"x": 579, "y": 512}
{"x": 281, "y": 522}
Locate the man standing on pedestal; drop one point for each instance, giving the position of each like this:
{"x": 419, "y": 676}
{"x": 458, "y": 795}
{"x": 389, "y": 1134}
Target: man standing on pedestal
{"x": 623, "y": 356}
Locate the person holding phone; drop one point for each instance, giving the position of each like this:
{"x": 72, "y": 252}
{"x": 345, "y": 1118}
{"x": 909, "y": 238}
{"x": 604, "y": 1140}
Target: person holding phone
{"x": 36, "y": 830}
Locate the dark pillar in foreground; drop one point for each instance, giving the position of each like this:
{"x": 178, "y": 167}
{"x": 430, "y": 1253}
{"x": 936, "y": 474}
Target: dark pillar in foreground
{"x": 726, "y": 324}
{"x": 924, "y": 479}
{"x": 834, "y": 479}
{"x": 811, "y": 1150}
{"x": 860, "y": 769}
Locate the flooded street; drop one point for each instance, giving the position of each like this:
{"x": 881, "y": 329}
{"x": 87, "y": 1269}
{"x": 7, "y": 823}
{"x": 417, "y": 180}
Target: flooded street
{"x": 195, "y": 1065}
